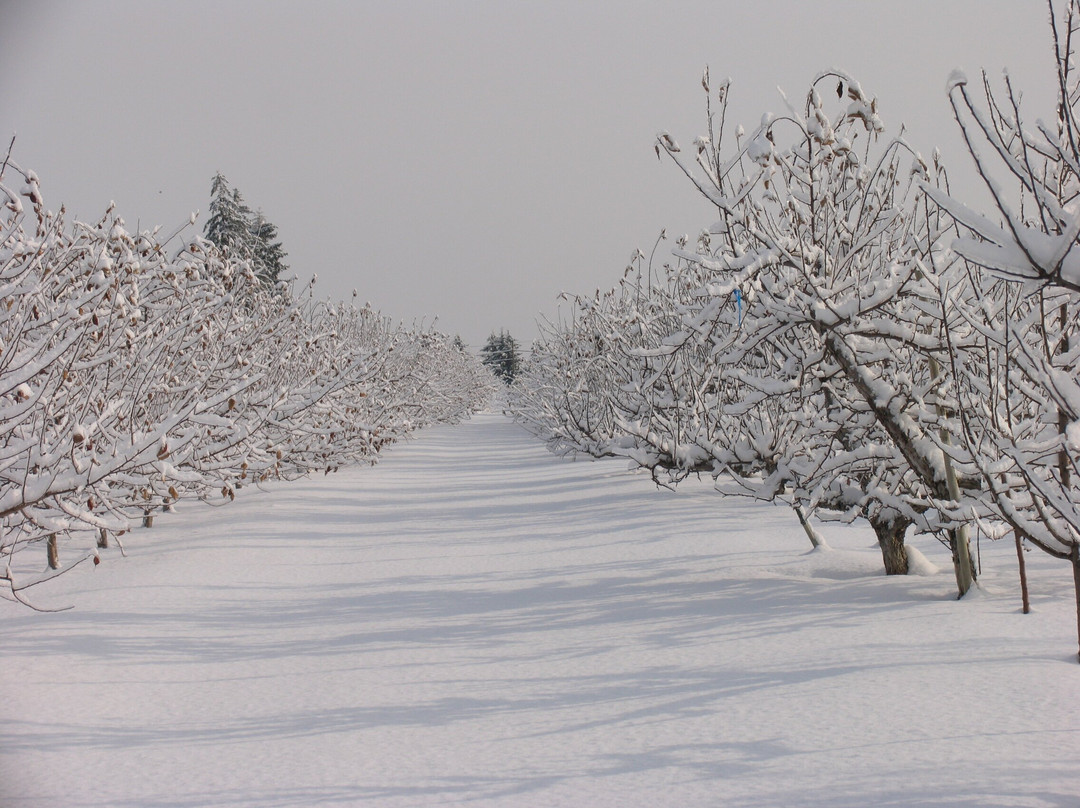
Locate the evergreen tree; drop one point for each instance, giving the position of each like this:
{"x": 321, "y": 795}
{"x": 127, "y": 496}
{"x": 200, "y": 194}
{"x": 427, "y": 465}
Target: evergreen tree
{"x": 242, "y": 234}
{"x": 502, "y": 355}
{"x": 268, "y": 253}
{"x": 229, "y": 225}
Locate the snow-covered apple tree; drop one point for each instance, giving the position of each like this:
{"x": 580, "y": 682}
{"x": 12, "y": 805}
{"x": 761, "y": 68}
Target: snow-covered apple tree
{"x": 1019, "y": 381}
{"x": 798, "y": 345}
{"x": 135, "y": 373}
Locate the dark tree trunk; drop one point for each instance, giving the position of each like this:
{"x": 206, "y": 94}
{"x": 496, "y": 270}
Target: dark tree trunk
{"x": 1074, "y": 556}
{"x": 103, "y": 538}
{"x": 1023, "y": 572}
{"x": 54, "y": 552}
{"x": 890, "y": 536}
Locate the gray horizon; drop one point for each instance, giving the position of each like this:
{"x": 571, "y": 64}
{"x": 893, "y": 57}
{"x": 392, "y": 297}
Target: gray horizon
{"x": 469, "y": 160}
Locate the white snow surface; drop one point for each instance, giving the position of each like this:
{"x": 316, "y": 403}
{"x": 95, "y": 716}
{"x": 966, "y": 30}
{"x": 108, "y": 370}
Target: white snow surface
{"x": 475, "y": 621}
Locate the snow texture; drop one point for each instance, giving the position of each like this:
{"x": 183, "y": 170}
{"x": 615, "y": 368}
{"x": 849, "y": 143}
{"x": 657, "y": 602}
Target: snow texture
{"x": 475, "y": 621}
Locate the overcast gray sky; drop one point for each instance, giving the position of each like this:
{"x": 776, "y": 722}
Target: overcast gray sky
{"x": 462, "y": 159}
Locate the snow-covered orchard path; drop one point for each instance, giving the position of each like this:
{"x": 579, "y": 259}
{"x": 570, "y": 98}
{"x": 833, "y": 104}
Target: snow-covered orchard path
{"x": 475, "y": 621}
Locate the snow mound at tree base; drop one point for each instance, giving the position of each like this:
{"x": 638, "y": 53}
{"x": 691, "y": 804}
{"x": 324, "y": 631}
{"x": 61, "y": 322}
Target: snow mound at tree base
{"x": 918, "y": 564}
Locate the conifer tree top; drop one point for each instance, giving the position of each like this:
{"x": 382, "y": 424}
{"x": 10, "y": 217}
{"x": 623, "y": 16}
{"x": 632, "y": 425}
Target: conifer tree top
{"x": 242, "y": 233}
{"x": 502, "y": 354}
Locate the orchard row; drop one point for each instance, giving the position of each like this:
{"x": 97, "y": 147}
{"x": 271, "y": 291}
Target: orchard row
{"x": 135, "y": 374}
{"x": 848, "y": 337}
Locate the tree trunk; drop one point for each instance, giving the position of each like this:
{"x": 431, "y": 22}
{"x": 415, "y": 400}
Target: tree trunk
{"x": 1023, "y": 572}
{"x": 815, "y": 537}
{"x": 1064, "y": 469}
{"x": 54, "y": 552}
{"x": 103, "y": 538}
{"x": 963, "y": 565}
{"x": 958, "y": 537}
{"x": 890, "y": 536}
{"x": 1074, "y": 556}
{"x": 148, "y": 518}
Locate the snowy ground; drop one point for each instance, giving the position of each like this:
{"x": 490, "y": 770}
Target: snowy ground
{"x": 477, "y": 622}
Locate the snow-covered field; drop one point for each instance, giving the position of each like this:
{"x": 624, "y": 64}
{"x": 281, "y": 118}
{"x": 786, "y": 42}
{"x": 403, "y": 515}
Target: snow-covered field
{"x": 475, "y": 621}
